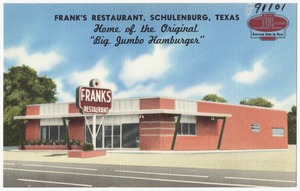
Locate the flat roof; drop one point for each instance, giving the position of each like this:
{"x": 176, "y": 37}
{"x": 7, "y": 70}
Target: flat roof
{"x": 179, "y": 99}
{"x": 137, "y": 112}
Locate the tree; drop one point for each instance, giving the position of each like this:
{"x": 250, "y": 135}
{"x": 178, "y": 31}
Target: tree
{"x": 259, "y": 101}
{"x": 22, "y": 86}
{"x": 214, "y": 98}
{"x": 292, "y": 126}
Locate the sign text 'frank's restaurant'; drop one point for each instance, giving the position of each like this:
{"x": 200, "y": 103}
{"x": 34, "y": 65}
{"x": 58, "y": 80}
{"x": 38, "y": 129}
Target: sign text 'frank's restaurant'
{"x": 93, "y": 100}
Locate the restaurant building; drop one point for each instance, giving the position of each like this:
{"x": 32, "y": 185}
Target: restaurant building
{"x": 162, "y": 124}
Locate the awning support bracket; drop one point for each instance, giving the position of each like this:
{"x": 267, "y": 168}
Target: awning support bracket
{"x": 177, "y": 127}
{"x": 95, "y": 132}
{"x": 222, "y": 131}
{"x": 87, "y": 125}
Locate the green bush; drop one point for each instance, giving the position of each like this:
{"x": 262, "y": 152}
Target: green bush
{"x": 51, "y": 142}
{"x": 38, "y": 142}
{"x": 77, "y": 142}
{"x": 62, "y": 142}
{"x": 87, "y": 147}
{"x": 44, "y": 143}
{"x": 57, "y": 142}
{"x": 31, "y": 142}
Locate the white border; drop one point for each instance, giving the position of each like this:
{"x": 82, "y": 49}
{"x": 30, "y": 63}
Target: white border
{"x": 136, "y": 1}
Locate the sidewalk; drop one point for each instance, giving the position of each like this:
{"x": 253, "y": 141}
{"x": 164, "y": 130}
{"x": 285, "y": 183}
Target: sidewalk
{"x": 270, "y": 160}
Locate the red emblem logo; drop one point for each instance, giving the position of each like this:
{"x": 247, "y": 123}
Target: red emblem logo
{"x": 268, "y": 26}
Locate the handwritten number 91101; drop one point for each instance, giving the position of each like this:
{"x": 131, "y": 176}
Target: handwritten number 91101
{"x": 268, "y": 7}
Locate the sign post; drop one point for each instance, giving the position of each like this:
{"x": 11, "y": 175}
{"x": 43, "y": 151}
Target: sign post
{"x": 93, "y": 100}
{"x": 94, "y": 132}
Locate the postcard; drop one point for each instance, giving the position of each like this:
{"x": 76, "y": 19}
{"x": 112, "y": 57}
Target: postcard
{"x": 149, "y": 95}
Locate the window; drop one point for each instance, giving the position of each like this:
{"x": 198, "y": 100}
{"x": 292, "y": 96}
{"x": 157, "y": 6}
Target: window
{"x": 187, "y": 129}
{"x": 277, "y": 132}
{"x": 62, "y": 133}
{"x": 107, "y": 136}
{"x": 53, "y": 133}
{"x": 130, "y": 135}
{"x": 255, "y": 127}
{"x": 116, "y": 136}
{"x": 44, "y": 133}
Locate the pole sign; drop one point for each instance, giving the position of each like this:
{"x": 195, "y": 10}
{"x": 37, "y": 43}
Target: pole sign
{"x": 93, "y": 100}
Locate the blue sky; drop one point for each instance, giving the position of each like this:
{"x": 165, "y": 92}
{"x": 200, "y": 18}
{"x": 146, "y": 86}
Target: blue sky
{"x": 227, "y": 62}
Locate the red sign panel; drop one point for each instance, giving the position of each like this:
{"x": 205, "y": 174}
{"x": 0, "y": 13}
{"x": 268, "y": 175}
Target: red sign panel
{"x": 93, "y": 100}
{"x": 268, "y": 26}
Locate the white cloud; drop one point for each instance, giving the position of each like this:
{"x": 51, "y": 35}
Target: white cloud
{"x": 200, "y": 90}
{"x": 137, "y": 91}
{"x": 146, "y": 67}
{"x": 41, "y": 62}
{"x": 62, "y": 95}
{"x": 251, "y": 76}
{"x": 82, "y": 78}
{"x": 285, "y": 104}
{"x": 169, "y": 91}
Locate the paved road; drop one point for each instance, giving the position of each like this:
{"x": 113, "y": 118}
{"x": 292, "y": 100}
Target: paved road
{"x": 39, "y": 174}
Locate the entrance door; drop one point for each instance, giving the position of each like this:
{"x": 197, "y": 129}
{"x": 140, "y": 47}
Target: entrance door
{"x": 116, "y": 136}
{"x": 99, "y": 137}
{"x": 112, "y": 136}
{"x": 107, "y": 136}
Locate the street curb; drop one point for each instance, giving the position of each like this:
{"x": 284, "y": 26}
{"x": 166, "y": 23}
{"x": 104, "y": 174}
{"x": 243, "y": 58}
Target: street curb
{"x": 191, "y": 152}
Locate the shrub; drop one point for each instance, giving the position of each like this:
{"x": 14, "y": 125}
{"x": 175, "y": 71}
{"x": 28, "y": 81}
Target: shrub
{"x": 77, "y": 142}
{"x": 44, "y": 143}
{"x": 71, "y": 142}
{"x": 38, "y": 142}
{"x": 51, "y": 142}
{"x": 87, "y": 147}
{"x": 57, "y": 142}
{"x": 31, "y": 142}
{"x": 62, "y": 142}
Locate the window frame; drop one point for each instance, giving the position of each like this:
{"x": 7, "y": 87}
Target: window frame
{"x": 48, "y": 132}
{"x": 189, "y": 126}
{"x": 255, "y": 130}
{"x": 277, "y": 135}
